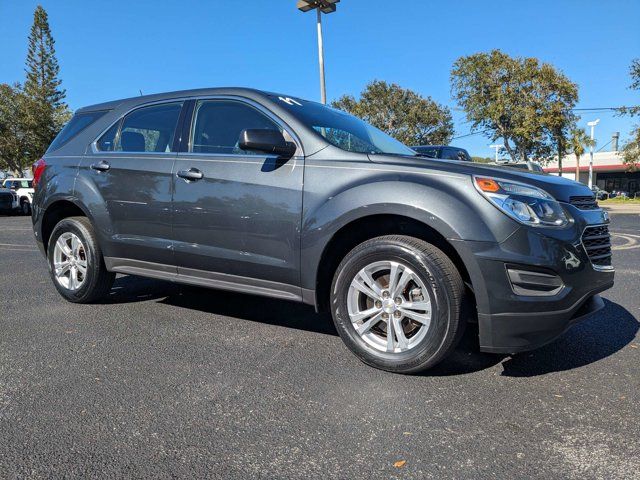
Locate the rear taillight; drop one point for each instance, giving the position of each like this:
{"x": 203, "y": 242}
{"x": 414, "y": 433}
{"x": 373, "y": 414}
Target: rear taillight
{"x": 38, "y": 168}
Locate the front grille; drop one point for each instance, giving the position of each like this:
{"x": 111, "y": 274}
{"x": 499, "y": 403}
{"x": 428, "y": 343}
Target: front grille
{"x": 584, "y": 203}
{"x": 597, "y": 243}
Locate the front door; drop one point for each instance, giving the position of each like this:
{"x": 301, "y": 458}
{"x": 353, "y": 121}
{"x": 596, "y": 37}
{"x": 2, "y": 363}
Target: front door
{"x": 237, "y": 213}
{"x": 131, "y": 166}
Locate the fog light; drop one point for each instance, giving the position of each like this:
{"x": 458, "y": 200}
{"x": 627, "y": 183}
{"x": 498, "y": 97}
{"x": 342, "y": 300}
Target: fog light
{"x": 534, "y": 284}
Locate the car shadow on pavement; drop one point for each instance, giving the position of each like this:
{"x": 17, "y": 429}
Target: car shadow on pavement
{"x": 253, "y": 308}
{"x": 129, "y": 289}
{"x": 594, "y": 339}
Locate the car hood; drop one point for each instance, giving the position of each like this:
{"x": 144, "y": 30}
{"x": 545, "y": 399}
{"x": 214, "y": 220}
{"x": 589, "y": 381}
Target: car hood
{"x": 560, "y": 188}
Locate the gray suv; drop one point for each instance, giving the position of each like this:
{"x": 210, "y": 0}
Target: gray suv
{"x": 273, "y": 195}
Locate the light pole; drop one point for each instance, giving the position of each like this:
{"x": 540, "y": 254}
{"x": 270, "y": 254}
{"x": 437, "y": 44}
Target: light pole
{"x": 320, "y": 6}
{"x": 498, "y": 148}
{"x": 593, "y": 126}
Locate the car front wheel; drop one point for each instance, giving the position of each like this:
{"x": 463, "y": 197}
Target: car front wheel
{"x": 397, "y": 303}
{"x": 25, "y": 206}
{"x": 76, "y": 263}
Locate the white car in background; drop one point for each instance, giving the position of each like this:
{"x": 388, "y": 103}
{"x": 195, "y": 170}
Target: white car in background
{"x": 23, "y": 187}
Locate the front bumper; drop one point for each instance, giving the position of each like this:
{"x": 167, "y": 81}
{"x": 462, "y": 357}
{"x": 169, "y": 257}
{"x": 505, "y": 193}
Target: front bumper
{"x": 510, "y": 322}
{"x": 519, "y": 332}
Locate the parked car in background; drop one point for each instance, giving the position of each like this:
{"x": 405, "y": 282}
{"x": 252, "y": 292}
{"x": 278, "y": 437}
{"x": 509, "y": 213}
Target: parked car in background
{"x": 599, "y": 193}
{"x": 9, "y": 202}
{"x": 267, "y": 194}
{"x": 619, "y": 193}
{"x": 24, "y": 189}
{"x": 444, "y": 152}
{"x": 531, "y": 166}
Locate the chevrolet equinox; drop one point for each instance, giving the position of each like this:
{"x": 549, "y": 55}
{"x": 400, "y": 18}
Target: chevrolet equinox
{"x": 273, "y": 195}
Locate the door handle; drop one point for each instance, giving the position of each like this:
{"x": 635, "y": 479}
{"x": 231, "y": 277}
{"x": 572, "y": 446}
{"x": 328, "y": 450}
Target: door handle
{"x": 101, "y": 166}
{"x": 192, "y": 174}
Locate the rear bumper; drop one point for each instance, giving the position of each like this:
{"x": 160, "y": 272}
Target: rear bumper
{"x": 9, "y": 206}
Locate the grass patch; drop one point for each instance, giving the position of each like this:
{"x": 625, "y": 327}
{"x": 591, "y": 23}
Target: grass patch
{"x": 620, "y": 200}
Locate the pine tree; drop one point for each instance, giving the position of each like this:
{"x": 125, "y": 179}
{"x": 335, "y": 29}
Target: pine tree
{"x": 47, "y": 111}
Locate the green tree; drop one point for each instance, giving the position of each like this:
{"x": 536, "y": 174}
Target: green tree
{"x": 634, "y": 72}
{"x": 402, "y": 113}
{"x": 631, "y": 149}
{"x": 521, "y": 100}
{"x": 46, "y": 112}
{"x": 578, "y": 143}
{"x": 13, "y": 139}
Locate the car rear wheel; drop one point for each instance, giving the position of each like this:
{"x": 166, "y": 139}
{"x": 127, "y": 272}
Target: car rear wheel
{"x": 397, "y": 303}
{"x": 76, "y": 263}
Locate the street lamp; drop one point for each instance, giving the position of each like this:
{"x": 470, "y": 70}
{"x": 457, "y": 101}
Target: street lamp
{"x": 498, "y": 148}
{"x": 592, "y": 125}
{"x": 320, "y": 6}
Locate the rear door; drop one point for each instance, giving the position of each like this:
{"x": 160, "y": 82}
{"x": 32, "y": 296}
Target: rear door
{"x": 130, "y": 166}
{"x": 242, "y": 216}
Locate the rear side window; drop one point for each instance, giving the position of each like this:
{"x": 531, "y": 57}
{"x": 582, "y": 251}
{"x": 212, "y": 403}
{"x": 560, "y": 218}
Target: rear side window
{"x": 107, "y": 141}
{"x": 149, "y": 129}
{"x": 78, "y": 123}
{"x": 218, "y": 123}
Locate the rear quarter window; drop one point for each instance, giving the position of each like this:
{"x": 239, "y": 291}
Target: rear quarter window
{"x": 78, "y": 123}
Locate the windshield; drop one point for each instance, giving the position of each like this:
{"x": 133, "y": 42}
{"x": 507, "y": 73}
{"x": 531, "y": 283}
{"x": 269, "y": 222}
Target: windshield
{"x": 343, "y": 130}
{"x": 18, "y": 184}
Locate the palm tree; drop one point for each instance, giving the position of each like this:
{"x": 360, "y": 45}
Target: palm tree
{"x": 578, "y": 142}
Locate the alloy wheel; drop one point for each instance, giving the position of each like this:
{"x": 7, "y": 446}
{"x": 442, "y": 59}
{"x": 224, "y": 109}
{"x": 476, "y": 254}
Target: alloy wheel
{"x": 70, "y": 261}
{"x": 389, "y": 306}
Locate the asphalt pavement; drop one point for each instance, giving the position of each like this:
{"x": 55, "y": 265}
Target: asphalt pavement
{"x": 163, "y": 380}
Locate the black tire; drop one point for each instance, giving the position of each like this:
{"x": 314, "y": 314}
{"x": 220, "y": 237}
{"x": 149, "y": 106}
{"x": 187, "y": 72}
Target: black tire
{"x": 98, "y": 280}
{"x": 437, "y": 272}
{"x": 25, "y": 207}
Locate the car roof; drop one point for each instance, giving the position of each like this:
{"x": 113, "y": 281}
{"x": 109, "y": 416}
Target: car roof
{"x": 197, "y": 92}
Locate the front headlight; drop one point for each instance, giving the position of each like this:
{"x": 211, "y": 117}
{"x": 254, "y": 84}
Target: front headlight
{"x": 524, "y": 203}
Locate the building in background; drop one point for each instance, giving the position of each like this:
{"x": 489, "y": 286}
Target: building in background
{"x": 609, "y": 172}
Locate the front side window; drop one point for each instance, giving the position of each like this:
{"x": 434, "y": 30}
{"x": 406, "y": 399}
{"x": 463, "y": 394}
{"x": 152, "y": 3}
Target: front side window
{"x": 452, "y": 154}
{"x": 217, "y": 126}
{"x": 431, "y": 152}
{"x": 147, "y": 129}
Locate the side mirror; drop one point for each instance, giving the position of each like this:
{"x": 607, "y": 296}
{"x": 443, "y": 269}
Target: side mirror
{"x": 267, "y": 141}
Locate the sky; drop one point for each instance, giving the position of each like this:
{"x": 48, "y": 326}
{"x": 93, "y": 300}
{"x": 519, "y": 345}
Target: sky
{"x": 115, "y": 49}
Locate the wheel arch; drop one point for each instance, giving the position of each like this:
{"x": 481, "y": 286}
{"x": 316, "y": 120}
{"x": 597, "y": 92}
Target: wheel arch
{"x": 58, "y": 210}
{"x": 364, "y": 228}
